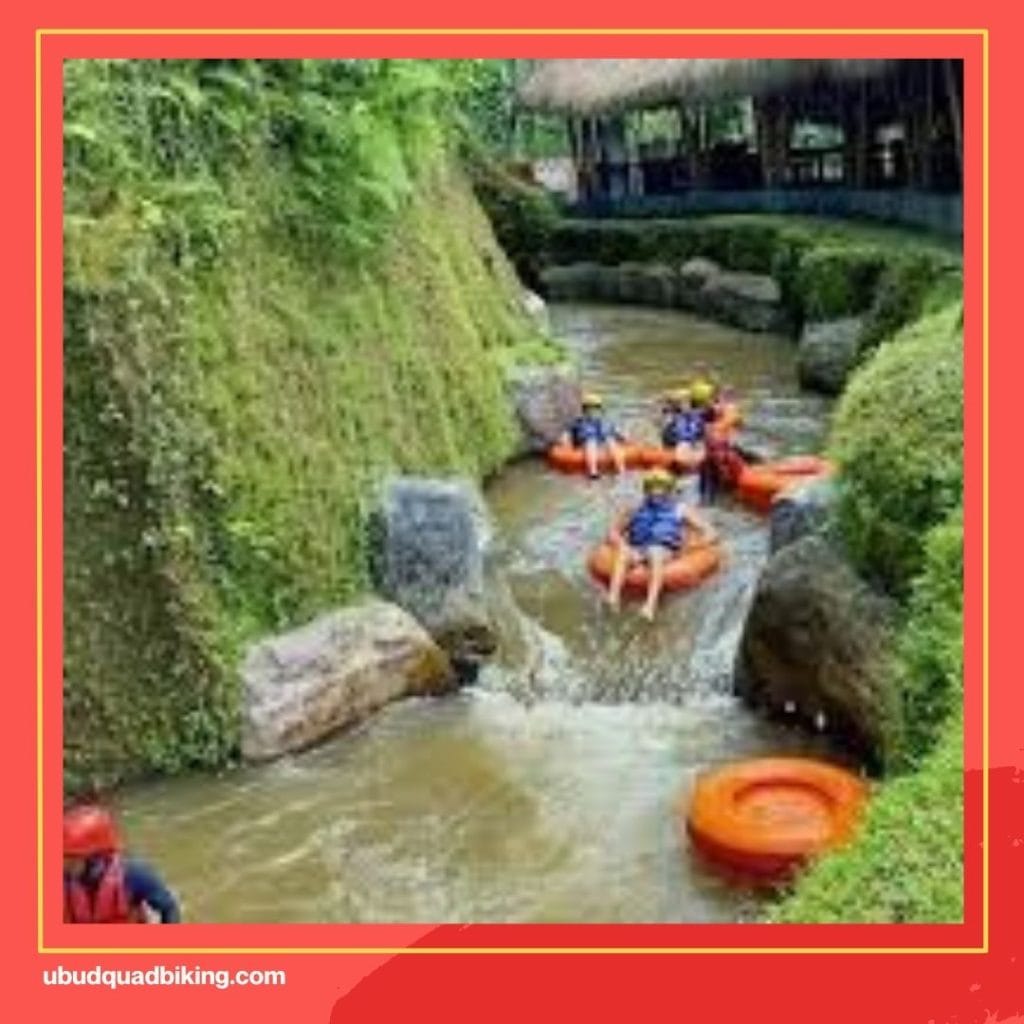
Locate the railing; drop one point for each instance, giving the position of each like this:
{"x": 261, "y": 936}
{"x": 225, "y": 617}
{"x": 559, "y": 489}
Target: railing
{"x": 933, "y": 211}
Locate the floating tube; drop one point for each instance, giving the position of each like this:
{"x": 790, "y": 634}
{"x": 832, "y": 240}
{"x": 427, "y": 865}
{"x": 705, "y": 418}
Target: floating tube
{"x": 569, "y": 459}
{"x": 763, "y": 819}
{"x": 697, "y": 560}
{"x": 653, "y": 457}
{"x": 759, "y": 485}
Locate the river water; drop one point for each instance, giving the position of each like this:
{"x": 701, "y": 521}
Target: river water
{"x": 548, "y": 791}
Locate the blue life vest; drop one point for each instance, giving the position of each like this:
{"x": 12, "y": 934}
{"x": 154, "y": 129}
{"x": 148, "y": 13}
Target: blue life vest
{"x": 657, "y": 521}
{"x": 590, "y": 428}
{"x": 683, "y": 428}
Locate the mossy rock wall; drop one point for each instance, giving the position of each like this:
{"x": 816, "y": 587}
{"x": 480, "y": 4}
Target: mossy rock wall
{"x": 228, "y": 414}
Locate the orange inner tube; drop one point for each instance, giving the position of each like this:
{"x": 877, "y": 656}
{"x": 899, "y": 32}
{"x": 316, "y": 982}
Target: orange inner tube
{"x": 569, "y": 459}
{"x": 764, "y": 818}
{"x": 759, "y": 485}
{"x": 695, "y": 561}
{"x": 653, "y": 457}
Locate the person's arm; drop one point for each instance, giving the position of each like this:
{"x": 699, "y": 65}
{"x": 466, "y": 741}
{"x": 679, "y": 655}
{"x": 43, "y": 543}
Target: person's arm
{"x": 145, "y": 886}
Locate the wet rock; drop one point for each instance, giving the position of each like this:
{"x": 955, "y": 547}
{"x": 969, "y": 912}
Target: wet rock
{"x": 427, "y": 552}
{"x": 302, "y": 686}
{"x": 827, "y": 354}
{"x": 801, "y": 510}
{"x": 631, "y": 283}
{"x": 658, "y": 285}
{"x": 814, "y": 646}
{"x": 546, "y": 399}
{"x": 571, "y": 282}
{"x": 537, "y": 309}
{"x": 607, "y": 284}
{"x": 750, "y": 301}
{"x": 694, "y": 276}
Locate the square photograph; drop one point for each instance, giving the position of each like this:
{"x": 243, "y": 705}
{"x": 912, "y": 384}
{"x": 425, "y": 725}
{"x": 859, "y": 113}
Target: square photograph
{"x": 513, "y": 491}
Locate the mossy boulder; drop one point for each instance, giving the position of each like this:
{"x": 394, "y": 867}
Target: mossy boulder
{"x": 897, "y": 437}
{"x": 814, "y": 648}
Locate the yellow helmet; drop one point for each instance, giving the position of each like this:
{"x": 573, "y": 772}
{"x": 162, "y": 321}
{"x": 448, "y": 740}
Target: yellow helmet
{"x": 659, "y": 480}
{"x": 702, "y": 391}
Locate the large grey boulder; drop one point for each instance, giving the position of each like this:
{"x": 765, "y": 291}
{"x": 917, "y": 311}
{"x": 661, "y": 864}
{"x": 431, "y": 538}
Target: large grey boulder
{"x": 427, "y": 550}
{"x": 828, "y": 352}
{"x": 302, "y": 686}
{"x": 801, "y": 510}
{"x": 750, "y": 301}
{"x": 546, "y": 399}
{"x": 814, "y": 647}
{"x": 694, "y": 276}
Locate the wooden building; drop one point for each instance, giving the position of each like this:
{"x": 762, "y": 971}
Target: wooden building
{"x": 810, "y": 126}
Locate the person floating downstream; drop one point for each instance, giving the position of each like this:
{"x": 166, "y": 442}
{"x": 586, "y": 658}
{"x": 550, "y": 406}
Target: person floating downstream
{"x": 654, "y": 532}
{"x": 682, "y": 429}
{"x": 101, "y": 884}
{"x": 591, "y": 431}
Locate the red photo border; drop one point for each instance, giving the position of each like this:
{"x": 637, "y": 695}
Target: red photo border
{"x": 986, "y": 939}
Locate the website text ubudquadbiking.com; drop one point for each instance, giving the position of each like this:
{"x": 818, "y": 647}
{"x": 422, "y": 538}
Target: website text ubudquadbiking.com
{"x": 107, "y": 977}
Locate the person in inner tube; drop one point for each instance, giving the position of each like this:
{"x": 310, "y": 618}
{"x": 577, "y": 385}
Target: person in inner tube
{"x": 591, "y": 432}
{"x": 653, "y": 534}
{"x": 682, "y": 429}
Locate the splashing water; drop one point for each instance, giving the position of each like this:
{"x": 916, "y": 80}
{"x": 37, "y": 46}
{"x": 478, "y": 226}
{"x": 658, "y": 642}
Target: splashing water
{"x": 547, "y": 792}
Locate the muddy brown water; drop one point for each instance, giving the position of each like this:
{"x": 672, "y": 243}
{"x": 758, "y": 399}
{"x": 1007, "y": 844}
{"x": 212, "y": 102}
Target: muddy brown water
{"x": 547, "y": 792}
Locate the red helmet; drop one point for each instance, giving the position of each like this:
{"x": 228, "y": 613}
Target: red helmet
{"x": 88, "y": 831}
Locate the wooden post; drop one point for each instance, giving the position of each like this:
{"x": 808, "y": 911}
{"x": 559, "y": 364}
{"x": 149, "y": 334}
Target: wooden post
{"x": 955, "y": 114}
{"x": 860, "y": 172}
{"x": 927, "y": 127}
{"x": 775, "y": 134}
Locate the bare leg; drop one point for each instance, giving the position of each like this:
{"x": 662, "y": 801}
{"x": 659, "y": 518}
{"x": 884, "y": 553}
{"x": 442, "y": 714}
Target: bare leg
{"x": 656, "y": 565}
{"x": 590, "y": 452}
{"x": 623, "y": 558}
{"x": 618, "y": 456}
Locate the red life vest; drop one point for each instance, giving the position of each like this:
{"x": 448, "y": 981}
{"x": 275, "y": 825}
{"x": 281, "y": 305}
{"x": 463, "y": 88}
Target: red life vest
{"x": 727, "y": 462}
{"x": 107, "y": 904}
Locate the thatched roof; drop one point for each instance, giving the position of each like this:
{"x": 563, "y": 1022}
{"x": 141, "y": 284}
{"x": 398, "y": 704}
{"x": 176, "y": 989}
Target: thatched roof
{"x": 595, "y": 86}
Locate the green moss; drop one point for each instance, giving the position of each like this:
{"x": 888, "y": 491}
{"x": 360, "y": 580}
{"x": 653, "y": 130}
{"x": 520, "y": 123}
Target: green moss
{"x": 897, "y": 435}
{"x": 928, "y": 662}
{"x": 838, "y": 280}
{"x": 239, "y": 377}
{"x": 907, "y": 862}
{"x": 523, "y": 216}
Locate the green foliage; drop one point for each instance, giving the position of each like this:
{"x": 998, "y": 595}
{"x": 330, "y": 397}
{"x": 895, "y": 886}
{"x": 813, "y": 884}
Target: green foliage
{"x": 741, "y": 243}
{"x": 928, "y": 663}
{"x": 523, "y": 216}
{"x": 277, "y": 290}
{"x": 824, "y": 268}
{"x": 911, "y": 283}
{"x": 838, "y": 280}
{"x": 906, "y": 865}
{"x": 897, "y": 436}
